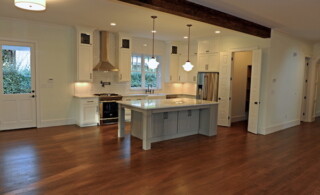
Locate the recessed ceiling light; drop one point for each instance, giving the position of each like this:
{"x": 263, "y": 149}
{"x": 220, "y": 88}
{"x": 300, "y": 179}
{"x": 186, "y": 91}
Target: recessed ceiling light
{"x": 33, "y": 5}
{"x": 217, "y": 31}
{"x": 145, "y": 45}
{"x": 185, "y": 37}
{"x": 113, "y": 24}
{"x": 154, "y": 31}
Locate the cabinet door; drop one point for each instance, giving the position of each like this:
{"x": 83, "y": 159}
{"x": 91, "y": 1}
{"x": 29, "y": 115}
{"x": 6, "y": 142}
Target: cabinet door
{"x": 124, "y": 65}
{"x": 164, "y": 124}
{"x": 188, "y": 120}
{"x": 192, "y": 75}
{"x": 214, "y": 62}
{"x": 203, "y": 62}
{"x": 89, "y": 114}
{"x": 174, "y": 68}
{"x": 204, "y": 46}
{"x": 85, "y": 62}
{"x": 182, "y": 74}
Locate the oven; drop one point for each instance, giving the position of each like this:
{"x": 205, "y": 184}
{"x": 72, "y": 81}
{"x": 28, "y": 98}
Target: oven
{"x": 108, "y": 108}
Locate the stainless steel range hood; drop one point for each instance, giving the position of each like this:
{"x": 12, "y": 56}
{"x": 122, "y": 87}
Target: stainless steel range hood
{"x": 104, "y": 64}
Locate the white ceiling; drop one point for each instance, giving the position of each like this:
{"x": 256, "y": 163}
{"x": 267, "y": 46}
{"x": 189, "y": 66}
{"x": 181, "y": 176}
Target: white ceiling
{"x": 129, "y": 18}
{"x": 300, "y": 18}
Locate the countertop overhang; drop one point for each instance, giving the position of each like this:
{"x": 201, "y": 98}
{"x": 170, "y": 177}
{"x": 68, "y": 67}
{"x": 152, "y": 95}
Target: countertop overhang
{"x": 166, "y": 103}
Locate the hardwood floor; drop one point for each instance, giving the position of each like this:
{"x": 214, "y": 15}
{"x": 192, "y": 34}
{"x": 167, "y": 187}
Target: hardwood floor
{"x": 92, "y": 160}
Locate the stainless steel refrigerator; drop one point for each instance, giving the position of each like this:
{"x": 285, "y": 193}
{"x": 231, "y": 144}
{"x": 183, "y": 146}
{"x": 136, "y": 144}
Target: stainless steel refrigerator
{"x": 207, "y": 86}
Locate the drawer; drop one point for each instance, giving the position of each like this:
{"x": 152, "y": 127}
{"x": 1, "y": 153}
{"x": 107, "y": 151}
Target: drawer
{"x": 89, "y": 101}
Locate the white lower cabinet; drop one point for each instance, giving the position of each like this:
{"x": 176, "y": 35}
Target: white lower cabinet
{"x": 87, "y": 112}
{"x": 188, "y": 120}
{"x": 165, "y": 124}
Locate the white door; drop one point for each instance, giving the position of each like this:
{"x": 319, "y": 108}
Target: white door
{"x": 224, "y": 111}
{"x": 315, "y": 99}
{"x": 304, "y": 93}
{"x": 255, "y": 92}
{"x": 17, "y": 85}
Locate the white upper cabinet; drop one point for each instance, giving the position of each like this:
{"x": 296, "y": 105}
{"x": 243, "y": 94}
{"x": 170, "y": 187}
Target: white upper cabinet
{"x": 124, "y": 52}
{"x": 177, "y": 57}
{"x": 209, "y": 62}
{"x": 84, "y": 54}
{"x": 174, "y": 68}
{"x": 209, "y": 46}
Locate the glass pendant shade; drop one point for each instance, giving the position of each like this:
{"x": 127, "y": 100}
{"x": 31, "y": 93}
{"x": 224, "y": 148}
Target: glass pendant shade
{"x": 33, "y": 5}
{"x": 187, "y": 66}
{"x": 153, "y": 64}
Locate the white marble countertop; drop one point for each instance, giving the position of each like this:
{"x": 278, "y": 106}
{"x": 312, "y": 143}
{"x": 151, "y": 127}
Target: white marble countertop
{"x": 166, "y": 103}
{"x": 86, "y": 96}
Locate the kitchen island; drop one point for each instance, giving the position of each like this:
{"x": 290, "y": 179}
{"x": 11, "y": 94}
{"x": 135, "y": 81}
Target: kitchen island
{"x": 162, "y": 119}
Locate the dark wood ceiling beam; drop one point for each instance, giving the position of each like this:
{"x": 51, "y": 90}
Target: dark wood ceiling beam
{"x": 204, "y": 14}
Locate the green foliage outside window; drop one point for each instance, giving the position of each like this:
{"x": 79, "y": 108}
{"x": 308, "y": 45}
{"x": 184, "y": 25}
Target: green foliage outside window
{"x": 15, "y": 81}
{"x": 135, "y": 79}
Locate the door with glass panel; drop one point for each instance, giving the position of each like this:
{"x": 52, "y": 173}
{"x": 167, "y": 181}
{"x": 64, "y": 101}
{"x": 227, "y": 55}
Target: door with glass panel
{"x": 17, "y": 86}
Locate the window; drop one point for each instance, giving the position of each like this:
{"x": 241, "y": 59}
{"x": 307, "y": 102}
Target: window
{"x": 141, "y": 75}
{"x": 16, "y": 69}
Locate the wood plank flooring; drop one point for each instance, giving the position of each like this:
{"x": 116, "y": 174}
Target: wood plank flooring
{"x": 92, "y": 160}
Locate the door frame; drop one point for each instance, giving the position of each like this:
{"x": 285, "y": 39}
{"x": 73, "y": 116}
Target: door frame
{"x": 249, "y": 49}
{"x": 34, "y": 45}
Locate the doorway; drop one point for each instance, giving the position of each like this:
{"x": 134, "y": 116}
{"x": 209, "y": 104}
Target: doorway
{"x": 17, "y": 86}
{"x": 241, "y": 86}
{"x": 316, "y": 108}
{"x": 305, "y": 90}
{"x": 250, "y": 90}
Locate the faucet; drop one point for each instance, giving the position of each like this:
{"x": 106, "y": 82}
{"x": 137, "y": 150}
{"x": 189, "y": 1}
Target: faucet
{"x": 149, "y": 90}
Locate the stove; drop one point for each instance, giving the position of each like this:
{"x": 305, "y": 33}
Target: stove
{"x": 108, "y": 107}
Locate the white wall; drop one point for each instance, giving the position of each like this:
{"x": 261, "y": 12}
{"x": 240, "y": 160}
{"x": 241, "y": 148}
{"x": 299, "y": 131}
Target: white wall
{"x": 241, "y": 61}
{"x": 283, "y": 82}
{"x": 55, "y": 58}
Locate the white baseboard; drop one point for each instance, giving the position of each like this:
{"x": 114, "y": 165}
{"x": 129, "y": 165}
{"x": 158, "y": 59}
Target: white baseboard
{"x": 239, "y": 118}
{"x": 280, "y": 127}
{"x": 56, "y": 122}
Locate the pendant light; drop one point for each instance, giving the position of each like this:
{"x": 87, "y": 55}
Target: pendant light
{"x": 32, "y": 5}
{"x": 153, "y": 64}
{"x": 188, "y": 66}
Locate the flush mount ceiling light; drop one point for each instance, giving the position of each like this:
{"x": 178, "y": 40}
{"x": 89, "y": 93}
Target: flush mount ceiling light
{"x": 153, "y": 64}
{"x": 113, "y": 24}
{"x": 188, "y": 66}
{"x": 217, "y": 31}
{"x": 33, "y": 5}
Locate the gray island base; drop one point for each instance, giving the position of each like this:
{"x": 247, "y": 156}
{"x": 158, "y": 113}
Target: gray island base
{"x": 158, "y": 120}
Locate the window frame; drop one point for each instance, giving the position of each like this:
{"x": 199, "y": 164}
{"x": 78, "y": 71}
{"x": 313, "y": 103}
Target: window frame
{"x": 143, "y": 71}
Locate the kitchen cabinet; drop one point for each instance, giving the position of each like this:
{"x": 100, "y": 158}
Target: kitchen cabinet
{"x": 188, "y": 120}
{"x": 124, "y": 57}
{"x": 192, "y": 75}
{"x": 165, "y": 124}
{"x": 209, "y": 62}
{"x": 87, "y": 112}
{"x": 84, "y": 54}
{"x": 174, "y": 68}
{"x": 209, "y": 46}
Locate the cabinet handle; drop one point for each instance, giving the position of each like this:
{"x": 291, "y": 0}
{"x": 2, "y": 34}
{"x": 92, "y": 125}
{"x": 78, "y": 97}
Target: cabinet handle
{"x": 194, "y": 78}
{"x": 165, "y": 115}
{"x": 90, "y": 75}
{"x": 189, "y": 113}
{"x": 207, "y": 66}
{"x": 170, "y": 78}
{"x": 179, "y": 78}
{"x": 90, "y": 101}
{"x": 120, "y": 76}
